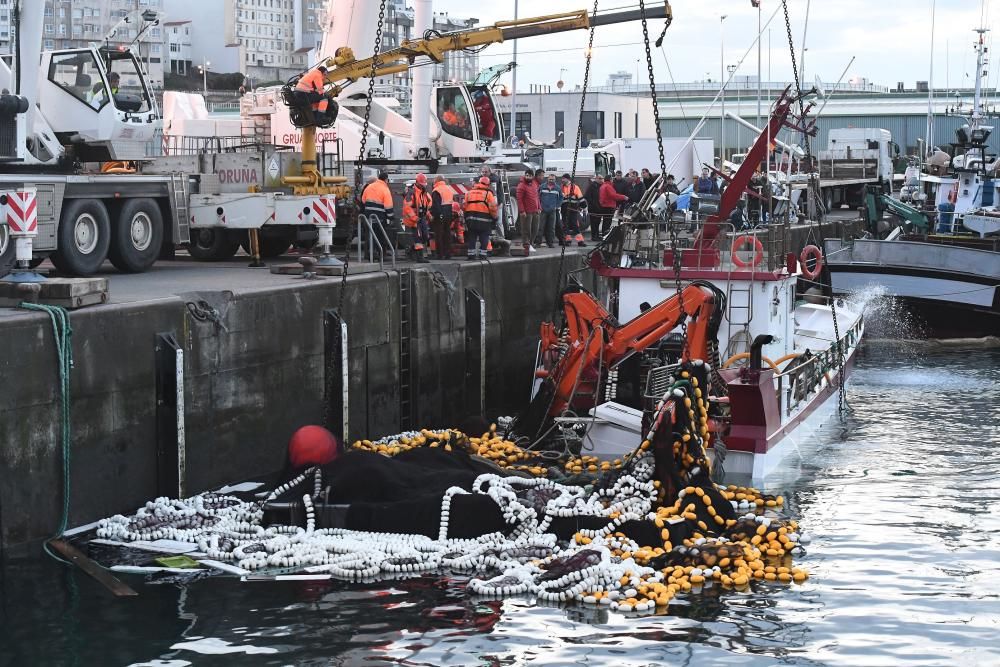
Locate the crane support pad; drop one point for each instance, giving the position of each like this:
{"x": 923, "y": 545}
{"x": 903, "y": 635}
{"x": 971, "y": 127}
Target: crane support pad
{"x": 70, "y": 293}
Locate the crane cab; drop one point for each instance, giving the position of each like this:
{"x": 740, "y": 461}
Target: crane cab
{"x": 97, "y": 102}
{"x": 470, "y": 125}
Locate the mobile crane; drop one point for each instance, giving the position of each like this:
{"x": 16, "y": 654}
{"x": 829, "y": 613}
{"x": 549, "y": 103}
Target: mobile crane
{"x": 66, "y": 108}
{"x": 344, "y": 69}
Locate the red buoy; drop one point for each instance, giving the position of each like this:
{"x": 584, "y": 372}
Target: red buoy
{"x": 311, "y": 446}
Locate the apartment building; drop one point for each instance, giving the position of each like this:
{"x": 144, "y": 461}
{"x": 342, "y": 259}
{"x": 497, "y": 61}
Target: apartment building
{"x": 75, "y": 23}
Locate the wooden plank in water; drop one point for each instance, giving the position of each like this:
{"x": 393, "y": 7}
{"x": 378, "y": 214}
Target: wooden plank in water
{"x": 78, "y": 558}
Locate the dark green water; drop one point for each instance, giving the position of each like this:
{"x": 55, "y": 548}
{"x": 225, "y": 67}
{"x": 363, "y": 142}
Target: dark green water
{"x": 902, "y": 501}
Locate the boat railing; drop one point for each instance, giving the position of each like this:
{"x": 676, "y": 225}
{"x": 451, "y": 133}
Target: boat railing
{"x": 647, "y": 245}
{"x": 373, "y": 241}
{"x": 806, "y": 377}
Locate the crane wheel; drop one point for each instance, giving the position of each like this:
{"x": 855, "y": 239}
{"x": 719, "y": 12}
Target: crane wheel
{"x": 137, "y": 235}
{"x": 83, "y": 237}
{"x": 212, "y": 245}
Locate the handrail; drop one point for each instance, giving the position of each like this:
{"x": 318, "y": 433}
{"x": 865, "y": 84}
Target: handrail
{"x": 374, "y": 241}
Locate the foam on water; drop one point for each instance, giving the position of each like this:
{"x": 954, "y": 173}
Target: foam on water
{"x": 885, "y": 315}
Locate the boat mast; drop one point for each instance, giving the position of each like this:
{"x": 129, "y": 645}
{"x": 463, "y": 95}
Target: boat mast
{"x": 980, "y": 63}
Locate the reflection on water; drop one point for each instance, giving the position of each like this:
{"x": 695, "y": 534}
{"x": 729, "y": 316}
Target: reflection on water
{"x": 902, "y": 503}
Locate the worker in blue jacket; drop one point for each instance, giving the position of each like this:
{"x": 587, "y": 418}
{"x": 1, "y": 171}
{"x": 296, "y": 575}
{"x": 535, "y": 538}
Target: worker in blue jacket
{"x": 551, "y": 198}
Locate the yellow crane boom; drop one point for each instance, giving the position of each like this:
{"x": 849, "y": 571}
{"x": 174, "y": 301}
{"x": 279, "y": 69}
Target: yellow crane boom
{"x": 343, "y": 68}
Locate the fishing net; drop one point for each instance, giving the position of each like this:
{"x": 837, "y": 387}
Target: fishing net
{"x": 630, "y": 534}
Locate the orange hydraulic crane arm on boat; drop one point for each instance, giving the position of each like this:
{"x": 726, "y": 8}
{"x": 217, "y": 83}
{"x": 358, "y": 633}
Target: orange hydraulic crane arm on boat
{"x": 595, "y": 342}
{"x": 758, "y": 153}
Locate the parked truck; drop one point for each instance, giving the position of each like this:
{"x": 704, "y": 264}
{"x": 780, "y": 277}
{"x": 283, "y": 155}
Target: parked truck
{"x": 76, "y": 185}
{"x": 854, "y": 159}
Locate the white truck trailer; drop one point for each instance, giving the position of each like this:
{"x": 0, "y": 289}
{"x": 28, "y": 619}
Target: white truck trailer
{"x": 853, "y": 159}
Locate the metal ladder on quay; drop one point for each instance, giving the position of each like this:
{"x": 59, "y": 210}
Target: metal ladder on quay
{"x": 507, "y": 222}
{"x": 180, "y": 191}
{"x": 405, "y": 356}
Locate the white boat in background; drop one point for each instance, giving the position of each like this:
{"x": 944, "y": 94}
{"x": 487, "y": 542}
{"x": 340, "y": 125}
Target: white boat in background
{"x": 947, "y": 272}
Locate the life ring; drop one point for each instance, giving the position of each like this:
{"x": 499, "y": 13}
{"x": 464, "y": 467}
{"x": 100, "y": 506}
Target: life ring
{"x": 814, "y": 253}
{"x": 739, "y": 242}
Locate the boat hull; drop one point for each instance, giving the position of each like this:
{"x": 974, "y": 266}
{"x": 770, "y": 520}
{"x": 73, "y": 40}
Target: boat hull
{"x": 787, "y": 440}
{"x": 952, "y": 292}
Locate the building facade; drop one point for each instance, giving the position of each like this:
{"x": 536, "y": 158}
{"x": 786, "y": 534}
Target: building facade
{"x": 71, "y": 24}
{"x": 900, "y": 110}
{"x": 543, "y": 116}
{"x": 177, "y": 35}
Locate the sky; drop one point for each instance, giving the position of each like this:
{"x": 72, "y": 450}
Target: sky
{"x": 889, "y": 39}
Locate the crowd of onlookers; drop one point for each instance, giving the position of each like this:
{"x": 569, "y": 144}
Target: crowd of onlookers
{"x": 551, "y": 209}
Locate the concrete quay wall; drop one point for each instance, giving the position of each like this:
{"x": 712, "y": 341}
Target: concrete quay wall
{"x": 251, "y": 379}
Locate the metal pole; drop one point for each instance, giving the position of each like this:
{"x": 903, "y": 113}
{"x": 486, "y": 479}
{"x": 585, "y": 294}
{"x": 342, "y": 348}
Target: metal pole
{"x": 758, "y": 65}
{"x": 637, "y": 100}
{"x": 722, "y": 88}
{"x": 513, "y": 92}
{"x": 805, "y": 30}
{"x": 930, "y": 88}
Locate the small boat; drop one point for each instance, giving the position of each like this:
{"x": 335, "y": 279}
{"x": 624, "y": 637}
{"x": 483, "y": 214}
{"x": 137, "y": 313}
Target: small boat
{"x": 944, "y": 262}
{"x": 779, "y": 360}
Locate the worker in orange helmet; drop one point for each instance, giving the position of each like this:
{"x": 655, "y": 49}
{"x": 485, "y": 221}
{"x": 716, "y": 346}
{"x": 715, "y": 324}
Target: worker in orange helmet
{"x": 416, "y": 217}
{"x": 480, "y": 211}
{"x": 313, "y": 84}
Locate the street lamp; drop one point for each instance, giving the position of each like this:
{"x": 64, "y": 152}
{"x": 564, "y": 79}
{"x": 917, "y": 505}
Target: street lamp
{"x": 722, "y": 86}
{"x": 203, "y": 68}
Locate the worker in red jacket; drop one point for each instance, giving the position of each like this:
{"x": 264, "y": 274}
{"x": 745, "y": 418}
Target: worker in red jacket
{"x": 609, "y": 199}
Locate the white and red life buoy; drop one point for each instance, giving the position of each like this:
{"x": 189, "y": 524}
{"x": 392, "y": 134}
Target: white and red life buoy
{"x": 739, "y": 242}
{"x": 811, "y": 252}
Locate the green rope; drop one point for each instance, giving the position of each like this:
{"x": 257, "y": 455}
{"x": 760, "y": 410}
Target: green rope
{"x": 62, "y": 333}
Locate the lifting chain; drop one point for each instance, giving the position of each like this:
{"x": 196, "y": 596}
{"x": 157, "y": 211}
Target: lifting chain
{"x": 576, "y": 155}
{"x": 813, "y": 194}
{"x": 364, "y": 142}
{"x": 671, "y": 227}
{"x": 357, "y": 194}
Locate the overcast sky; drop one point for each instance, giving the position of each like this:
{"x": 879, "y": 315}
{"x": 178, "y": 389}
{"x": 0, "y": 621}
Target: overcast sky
{"x": 889, "y": 38}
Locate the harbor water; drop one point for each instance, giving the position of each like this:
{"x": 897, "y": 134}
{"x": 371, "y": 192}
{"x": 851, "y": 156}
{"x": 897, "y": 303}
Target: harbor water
{"x": 901, "y": 500}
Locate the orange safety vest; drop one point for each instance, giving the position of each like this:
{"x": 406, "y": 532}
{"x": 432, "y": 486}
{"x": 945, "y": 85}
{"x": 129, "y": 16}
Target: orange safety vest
{"x": 571, "y": 194}
{"x": 377, "y": 199}
{"x": 313, "y": 81}
{"x": 416, "y": 206}
{"x": 480, "y": 208}
{"x": 447, "y": 195}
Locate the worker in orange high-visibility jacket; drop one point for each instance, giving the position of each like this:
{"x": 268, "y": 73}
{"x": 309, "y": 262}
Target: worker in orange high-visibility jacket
{"x": 376, "y": 201}
{"x": 441, "y": 200}
{"x": 314, "y": 83}
{"x": 416, "y": 217}
{"x": 573, "y": 202}
{"x": 480, "y": 211}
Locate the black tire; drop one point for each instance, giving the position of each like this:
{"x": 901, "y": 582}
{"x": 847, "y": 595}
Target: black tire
{"x": 7, "y": 251}
{"x": 271, "y": 246}
{"x": 83, "y": 237}
{"x": 212, "y": 245}
{"x": 136, "y": 236}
